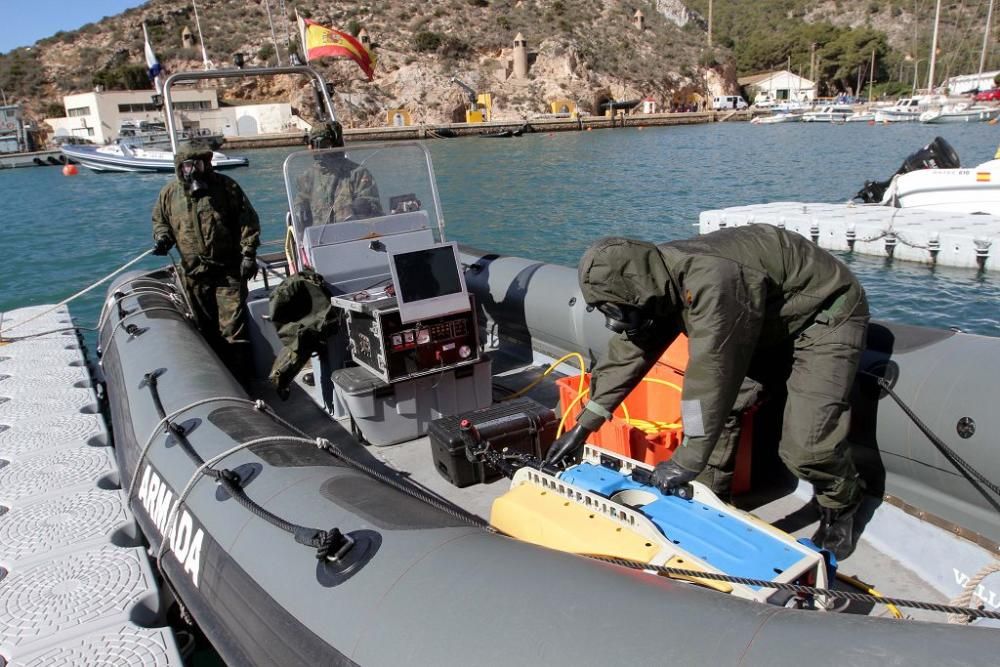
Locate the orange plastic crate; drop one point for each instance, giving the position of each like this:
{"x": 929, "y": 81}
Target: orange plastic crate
{"x": 653, "y": 401}
{"x": 650, "y": 401}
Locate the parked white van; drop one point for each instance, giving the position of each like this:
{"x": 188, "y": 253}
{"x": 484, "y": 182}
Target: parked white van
{"x": 728, "y": 102}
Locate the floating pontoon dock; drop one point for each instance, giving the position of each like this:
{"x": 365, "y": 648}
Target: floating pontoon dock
{"x": 76, "y": 586}
{"x": 928, "y": 237}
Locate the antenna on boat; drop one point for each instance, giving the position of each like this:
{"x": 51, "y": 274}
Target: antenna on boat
{"x": 197, "y": 22}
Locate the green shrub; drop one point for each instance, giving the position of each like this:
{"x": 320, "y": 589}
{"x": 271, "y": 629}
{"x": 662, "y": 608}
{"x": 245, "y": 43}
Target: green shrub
{"x": 426, "y": 41}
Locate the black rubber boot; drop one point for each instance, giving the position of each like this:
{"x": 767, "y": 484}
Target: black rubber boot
{"x": 836, "y": 530}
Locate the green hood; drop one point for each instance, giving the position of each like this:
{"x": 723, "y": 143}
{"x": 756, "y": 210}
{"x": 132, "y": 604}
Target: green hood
{"x": 191, "y": 152}
{"x": 624, "y": 271}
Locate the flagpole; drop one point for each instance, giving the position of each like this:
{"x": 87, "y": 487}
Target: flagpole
{"x": 204, "y": 55}
{"x": 274, "y": 40}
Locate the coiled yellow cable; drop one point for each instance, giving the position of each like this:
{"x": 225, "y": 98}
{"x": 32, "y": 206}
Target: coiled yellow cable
{"x": 551, "y": 368}
{"x": 647, "y": 426}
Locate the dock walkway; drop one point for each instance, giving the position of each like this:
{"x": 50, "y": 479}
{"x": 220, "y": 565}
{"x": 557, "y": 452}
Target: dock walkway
{"x": 929, "y": 237}
{"x": 76, "y": 585}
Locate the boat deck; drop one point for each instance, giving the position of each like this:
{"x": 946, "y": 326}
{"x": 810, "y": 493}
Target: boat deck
{"x": 76, "y": 585}
{"x": 927, "y": 237}
{"x": 785, "y": 506}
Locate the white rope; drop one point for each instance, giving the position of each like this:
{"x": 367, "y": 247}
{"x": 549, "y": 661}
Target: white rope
{"x": 81, "y": 292}
{"x": 964, "y": 598}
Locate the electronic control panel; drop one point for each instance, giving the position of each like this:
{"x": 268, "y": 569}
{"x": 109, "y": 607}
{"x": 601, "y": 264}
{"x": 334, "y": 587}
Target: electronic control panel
{"x": 392, "y": 350}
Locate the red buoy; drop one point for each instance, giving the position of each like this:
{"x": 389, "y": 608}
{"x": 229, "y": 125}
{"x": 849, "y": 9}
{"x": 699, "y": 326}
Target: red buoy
{"x": 70, "y": 170}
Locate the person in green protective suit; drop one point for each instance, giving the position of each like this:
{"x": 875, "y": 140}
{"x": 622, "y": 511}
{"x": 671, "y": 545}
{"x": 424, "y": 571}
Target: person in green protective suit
{"x": 756, "y": 302}
{"x": 216, "y": 231}
{"x": 335, "y": 188}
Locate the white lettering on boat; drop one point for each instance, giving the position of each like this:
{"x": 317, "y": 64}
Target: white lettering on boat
{"x": 186, "y": 536}
{"x": 990, "y": 597}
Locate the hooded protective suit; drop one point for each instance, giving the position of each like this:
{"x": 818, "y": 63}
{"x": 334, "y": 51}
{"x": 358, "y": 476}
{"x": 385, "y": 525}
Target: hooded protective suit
{"x": 216, "y": 230}
{"x": 754, "y": 301}
{"x": 335, "y": 188}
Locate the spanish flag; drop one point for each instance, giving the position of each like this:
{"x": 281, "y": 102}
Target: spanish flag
{"x": 321, "y": 42}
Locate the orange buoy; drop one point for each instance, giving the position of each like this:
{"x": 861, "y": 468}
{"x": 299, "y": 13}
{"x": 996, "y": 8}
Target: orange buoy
{"x": 70, "y": 170}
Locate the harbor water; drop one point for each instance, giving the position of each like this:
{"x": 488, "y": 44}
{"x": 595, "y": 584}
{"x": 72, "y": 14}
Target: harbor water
{"x": 545, "y": 196}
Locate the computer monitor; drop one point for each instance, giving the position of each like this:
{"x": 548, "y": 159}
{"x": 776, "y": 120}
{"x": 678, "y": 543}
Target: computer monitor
{"x": 428, "y": 282}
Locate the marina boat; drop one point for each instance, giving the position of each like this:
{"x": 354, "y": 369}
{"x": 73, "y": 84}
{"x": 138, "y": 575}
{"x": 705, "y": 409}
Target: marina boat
{"x": 861, "y": 117}
{"x": 969, "y": 190}
{"x": 933, "y": 179}
{"x": 906, "y": 110}
{"x": 153, "y": 134}
{"x": 960, "y": 113}
{"x": 787, "y": 117}
{"x": 828, "y": 114}
{"x": 122, "y": 157}
{"x": 394, "y": 509}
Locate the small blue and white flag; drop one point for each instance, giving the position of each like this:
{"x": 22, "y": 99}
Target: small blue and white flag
{"x": 155, "y": 70}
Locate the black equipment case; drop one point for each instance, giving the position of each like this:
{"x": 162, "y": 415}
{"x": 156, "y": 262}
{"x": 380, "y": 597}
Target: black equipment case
{"x": 520, "y": 425}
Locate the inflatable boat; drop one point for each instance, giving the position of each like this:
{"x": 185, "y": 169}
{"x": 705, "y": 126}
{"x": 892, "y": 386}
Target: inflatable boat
{"x": 324, "y": 530}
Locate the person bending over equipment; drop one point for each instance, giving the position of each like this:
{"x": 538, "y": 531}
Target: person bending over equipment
{"x": 756, "y": 302}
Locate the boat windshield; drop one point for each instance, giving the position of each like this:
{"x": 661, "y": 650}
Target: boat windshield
{"x": 381, "y": 186}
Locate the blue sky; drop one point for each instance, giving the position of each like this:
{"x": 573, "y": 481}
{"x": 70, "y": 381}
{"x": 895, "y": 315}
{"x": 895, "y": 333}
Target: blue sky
{"x": 26, "y": 21}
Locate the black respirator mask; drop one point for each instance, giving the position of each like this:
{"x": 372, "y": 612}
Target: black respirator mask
{"x": 628, "y": 320}
{"x": 193, "y": 175}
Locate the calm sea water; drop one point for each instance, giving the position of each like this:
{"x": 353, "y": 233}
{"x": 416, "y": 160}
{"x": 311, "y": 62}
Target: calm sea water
{"x": 542, "y": 196}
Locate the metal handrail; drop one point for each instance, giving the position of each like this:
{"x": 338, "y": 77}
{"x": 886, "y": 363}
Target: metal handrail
{"x": 234, "y": 73}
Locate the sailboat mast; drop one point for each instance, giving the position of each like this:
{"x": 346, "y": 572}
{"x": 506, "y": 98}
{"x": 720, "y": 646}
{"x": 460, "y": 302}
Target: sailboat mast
{"x": 871, "y": 78}
{"x": 986, "y": 41}
{"x": 930, "y": 73}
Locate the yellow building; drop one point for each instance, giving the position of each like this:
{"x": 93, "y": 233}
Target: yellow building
{"x": 398, "y": 117}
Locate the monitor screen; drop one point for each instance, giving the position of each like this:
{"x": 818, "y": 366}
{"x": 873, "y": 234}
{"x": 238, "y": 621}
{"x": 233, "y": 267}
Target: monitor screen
{"x": 428, "y": 282}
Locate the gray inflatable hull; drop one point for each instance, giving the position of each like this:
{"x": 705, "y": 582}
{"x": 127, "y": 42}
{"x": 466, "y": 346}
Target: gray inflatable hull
{"x": 427, "y": 589}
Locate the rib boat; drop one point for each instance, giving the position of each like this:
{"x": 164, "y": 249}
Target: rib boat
{"x": 123, "y": 157}
{"x": 394, "y": 508}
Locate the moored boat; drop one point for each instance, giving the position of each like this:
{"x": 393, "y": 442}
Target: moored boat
{"x": 828, "y": 114}
{"x": 960, "y": 113}
{"x": 122, "y": 157}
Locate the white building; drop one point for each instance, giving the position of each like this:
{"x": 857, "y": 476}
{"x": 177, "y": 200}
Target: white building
{"x": 778, "y": 86}
{"x": 97, "y": 115}
{"x": 970, "y": 83}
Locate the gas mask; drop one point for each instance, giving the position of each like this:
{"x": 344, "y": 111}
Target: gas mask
{"x": 628, "y": 320}
{"x": 193, "y": 175}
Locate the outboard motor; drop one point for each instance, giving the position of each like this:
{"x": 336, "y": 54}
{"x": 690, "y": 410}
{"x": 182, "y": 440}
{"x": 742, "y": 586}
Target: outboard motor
{"x": 936, "y": 155}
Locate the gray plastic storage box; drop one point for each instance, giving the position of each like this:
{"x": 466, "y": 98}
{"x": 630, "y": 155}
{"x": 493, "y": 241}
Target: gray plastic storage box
{"x": 389, "y": 413}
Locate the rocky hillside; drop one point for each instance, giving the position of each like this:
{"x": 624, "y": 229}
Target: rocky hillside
{"x": 584, "y": 50}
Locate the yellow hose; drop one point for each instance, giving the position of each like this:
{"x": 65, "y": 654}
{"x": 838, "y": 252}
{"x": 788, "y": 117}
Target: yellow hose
{"x": 647, "y": 426}
{"x": 867, "y": 588}
{"x": 552, "y": 367}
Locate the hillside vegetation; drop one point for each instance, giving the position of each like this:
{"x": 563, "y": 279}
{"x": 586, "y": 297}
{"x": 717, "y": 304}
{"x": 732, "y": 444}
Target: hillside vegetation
{"x": 585, "y": 50}
{"x": 762, "y": 35}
